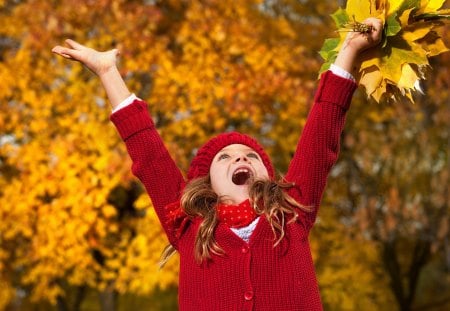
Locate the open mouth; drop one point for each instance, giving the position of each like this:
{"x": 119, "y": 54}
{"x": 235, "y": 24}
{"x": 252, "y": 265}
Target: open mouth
{"x": 241, "y": 176}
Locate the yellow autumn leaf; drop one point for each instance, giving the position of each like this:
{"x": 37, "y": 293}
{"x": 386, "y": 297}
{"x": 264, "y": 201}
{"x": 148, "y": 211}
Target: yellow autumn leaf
{"x": 380, "y": 91}
{"x": 7, "y": 294}
{"x": 359, "y": 9}
{"x": 437, "y": 47}
{"x": 109, "y": 211}
{"x": 142, "y": 202}
{"x": 393, "y": 6}
{"x": 372, "y": 79}
{"x": 408, "y": 78}
{"x": 416, "y": 31}
{"x": 404, "y": 17}
{"x": 431, "y": 5}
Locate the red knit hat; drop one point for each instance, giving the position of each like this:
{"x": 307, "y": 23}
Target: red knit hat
{"x": 202, "y": 161}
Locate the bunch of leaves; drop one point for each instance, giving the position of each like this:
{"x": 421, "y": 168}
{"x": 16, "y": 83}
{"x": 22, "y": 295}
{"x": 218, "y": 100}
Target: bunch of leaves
{"x": 393, "y": 70}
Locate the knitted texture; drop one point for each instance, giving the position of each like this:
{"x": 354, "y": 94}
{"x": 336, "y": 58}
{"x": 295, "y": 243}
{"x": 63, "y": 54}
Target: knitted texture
{"x": 254, "y": 275}
{"x": 202, "y": 161}
{"x": 236, "y": 215}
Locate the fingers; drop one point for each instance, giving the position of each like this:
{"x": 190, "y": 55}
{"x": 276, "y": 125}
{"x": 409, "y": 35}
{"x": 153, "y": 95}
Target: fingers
{"x": 375, "y": 23}
{"x": 75, "y": 45}
{"x": 62, "y": 51}
{"x": 67, "y": 52}
{"x": 374, "y": 36}
{"x": 74, "y": 51}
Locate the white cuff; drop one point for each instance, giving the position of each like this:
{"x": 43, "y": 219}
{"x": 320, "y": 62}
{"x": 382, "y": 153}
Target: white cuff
{"x": 127, "y": 101}
{"x": 341, "y": 72}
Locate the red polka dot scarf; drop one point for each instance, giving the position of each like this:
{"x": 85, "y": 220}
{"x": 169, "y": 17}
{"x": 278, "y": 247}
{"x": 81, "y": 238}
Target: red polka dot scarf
{"x": 236, "y": 216}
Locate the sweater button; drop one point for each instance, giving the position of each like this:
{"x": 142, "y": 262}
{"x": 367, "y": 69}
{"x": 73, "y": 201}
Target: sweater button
{"x": 248, "y": 295}
{"x": 244, "y": 249}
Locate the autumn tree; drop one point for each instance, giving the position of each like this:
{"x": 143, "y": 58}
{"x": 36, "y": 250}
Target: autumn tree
{"x": 395, "y": 164}
{"x": 394, "y": 187}
{"x": 73, "y": 219}
{"x": 71, "y": 215}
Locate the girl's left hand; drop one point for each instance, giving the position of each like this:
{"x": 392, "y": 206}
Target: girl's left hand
{"x": 98, "y": 62}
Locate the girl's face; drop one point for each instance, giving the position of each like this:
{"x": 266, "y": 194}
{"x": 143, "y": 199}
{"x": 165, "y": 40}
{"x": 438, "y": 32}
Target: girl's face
{"x": 232, "y": 170}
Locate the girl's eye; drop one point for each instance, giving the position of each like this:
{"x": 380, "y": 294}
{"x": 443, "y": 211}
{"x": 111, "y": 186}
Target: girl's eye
{"x": 223, "y": 156}
{"x": 253, "y": 155}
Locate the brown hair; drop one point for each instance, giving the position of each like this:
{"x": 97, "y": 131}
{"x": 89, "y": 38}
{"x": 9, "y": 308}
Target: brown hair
{"x": 267, "y": 197}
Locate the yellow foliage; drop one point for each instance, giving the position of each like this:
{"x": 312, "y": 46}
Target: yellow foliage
{"x": 401, "y": 60}
{"x": 6, "y": 294}
{"x": 203, "y": 66}
{"x": 428, "y": 6}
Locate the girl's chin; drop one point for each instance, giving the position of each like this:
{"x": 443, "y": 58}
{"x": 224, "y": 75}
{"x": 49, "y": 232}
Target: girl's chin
{"x": 234, "y": 198}
{"x": 235, "y": 193}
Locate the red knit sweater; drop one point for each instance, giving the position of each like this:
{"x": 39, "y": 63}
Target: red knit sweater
{"x": 254, "y": 275}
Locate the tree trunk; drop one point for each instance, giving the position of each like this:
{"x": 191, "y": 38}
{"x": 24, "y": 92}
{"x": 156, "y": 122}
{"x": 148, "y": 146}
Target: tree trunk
{"x": 108, "y": 300}
{"x": 79, "y": 297}
{"x": 392, "y": 267}
{"x": 404, "y": 280}
{"x": 61, "y": 304}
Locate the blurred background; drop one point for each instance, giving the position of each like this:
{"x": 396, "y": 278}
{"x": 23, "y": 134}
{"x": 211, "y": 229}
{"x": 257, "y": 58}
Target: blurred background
{"x": 77, "y": 231}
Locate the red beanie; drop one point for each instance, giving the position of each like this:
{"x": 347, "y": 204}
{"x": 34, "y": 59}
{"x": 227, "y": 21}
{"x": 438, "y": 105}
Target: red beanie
{"x": 202, "y": 161}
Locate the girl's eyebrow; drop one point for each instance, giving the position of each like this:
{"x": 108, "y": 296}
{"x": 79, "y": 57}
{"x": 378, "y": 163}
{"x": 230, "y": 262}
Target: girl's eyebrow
{"x": 245, "y": 149}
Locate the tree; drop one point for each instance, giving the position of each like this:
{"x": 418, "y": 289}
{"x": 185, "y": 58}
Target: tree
{"x": 395, "y": 169}
{"x": 72, "y": 217}
{"x": 348, "y": 266}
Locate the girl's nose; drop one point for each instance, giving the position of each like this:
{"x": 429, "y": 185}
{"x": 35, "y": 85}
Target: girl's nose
{"x": 240, "y": 158}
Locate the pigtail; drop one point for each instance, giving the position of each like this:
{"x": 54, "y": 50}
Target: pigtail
{"x": 270, "y": 198}
{"x": 167, "y": 253}
{"x": 199, "y": 200}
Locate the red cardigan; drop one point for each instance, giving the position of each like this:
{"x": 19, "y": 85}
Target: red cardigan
{"x": 254, "y": 275}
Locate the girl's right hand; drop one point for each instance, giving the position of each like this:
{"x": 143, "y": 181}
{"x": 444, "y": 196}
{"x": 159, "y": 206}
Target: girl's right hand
{"x": 98, "y": 62}
{"x": 356, "y": 42}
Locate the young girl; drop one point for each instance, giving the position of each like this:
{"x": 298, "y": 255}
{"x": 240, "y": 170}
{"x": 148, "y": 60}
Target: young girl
{"x": 242, "y": 236}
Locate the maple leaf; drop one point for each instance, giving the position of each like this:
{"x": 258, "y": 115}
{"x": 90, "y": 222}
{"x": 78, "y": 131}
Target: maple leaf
{"x": 394, "y": 69}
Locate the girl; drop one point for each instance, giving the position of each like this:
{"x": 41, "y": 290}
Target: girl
{"x": 242, "y": 236}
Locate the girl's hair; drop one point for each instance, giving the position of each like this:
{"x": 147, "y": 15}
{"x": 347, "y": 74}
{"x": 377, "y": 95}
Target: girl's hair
{"x": 267, "y": 197}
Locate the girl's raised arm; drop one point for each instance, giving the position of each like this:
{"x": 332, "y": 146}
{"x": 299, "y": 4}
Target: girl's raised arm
{"x": 152, "y": 163}
{"x": 318, "y": 147}
{"x": 103, "y": 64}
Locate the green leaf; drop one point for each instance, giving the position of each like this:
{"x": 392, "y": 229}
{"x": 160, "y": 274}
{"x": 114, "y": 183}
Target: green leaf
{"x": 329, "y": 47}
{"x": 391, "y": 63}
{"x": 329, "y": 53}
{"x": 432, "y": 16}
{"x": 340, "y": 17}
{"x": 324, "y": 67}
{"x": 392, "y": 26}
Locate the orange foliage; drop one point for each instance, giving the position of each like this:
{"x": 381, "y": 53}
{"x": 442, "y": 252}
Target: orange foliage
{"x": 68, "y": 207}
{"x": 71, "y": 213}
